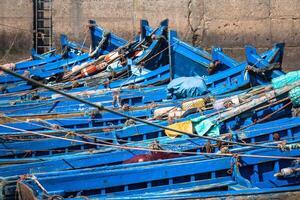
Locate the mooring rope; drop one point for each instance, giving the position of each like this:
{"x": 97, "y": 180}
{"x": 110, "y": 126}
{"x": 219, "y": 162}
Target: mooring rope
{"x": 102, "y": 108}
{"x": 267, "y": 116}
{"x": 153, "y": 150}
{"x": 67, "y": 131}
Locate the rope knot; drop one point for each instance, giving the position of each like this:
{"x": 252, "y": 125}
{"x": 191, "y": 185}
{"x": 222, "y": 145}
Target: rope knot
{"x": 153, "y": 104}
{"x": 224, "y": 150}
{"x": 237, "y": 160}
{"x": 23, "y": 177}
{"x": 3, "y": 88}
{"x": 75, "y": 84}
{"x": 212, "y": 67}
{"x": 70, "y": 134}
{"x": 234, "y": 162}
{"x": 283, "y": 147}
{"x": 116, "y": 99}
{"x": 125, "y": 107}
{"x": 208, "y": 147}
{"x": 129, "y": 122}
{"x": 155, "y": 145}
{"x": 276, "y": 137}
{"x": 55, "y": 126}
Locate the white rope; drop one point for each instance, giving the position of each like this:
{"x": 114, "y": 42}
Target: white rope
{"x": 146, "y": 149}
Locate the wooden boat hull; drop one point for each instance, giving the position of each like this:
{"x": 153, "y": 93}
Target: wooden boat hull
{"x": 153, "y": 179}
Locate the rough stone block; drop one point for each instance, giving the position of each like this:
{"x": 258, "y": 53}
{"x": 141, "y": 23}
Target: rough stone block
{"x": 16, "y": 25}
{"x": 286, "y": 30}
{"x": 291, "y": 59}
{"x": 285, "y": 8}
{"x": 112, "y": 15}
{"x": 236, "y": 9}
{"x": 16, "y": 9}
{"x": 155, "y": 11}
{"x": 236, "y": 53}
{"x": 62, "y": 9}
{"x": 228, "y": 33}
{"x": 20, "y": 37}
{"x": 296, "y": 33}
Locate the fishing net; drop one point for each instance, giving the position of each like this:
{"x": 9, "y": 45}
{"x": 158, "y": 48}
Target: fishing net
{"x": 294, "y": 95}
{"x": 286, "y": 79}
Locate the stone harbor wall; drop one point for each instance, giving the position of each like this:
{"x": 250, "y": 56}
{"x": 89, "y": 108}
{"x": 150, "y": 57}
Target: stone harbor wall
{"x": 230, "y": 24}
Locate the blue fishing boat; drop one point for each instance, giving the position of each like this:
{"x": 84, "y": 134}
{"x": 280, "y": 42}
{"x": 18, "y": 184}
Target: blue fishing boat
{"x": 45, "y": 62}
{"x": 35, "y": 60}
{"x": 257, "y": 136}
{"x": 74, "y": 57}
{"x": 199, "y": 59}
{"x": 207, "y": 177}
{"x": 151, "y": 118}
{"x": 155, "y": 45}
{"x": 68, "y": 155}
{"x": 97, "y": 159}
{"x": 87, "y": 122}
{"x": 223, "y": 82}
{"x": 251, "y": 111}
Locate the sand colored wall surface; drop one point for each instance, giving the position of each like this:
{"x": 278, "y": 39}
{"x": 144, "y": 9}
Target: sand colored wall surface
{"x": 227, "y": 23}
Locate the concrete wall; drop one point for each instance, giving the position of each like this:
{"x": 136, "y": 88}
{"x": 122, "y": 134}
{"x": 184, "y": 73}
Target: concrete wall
{"x": 227, "y": 23}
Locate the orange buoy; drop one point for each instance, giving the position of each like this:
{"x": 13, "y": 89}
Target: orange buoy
{"x": 111, "y": 56}
{"x": 93, "y": 69}
{"x": 89, "y": 71}
{"x": 137, "y": 53}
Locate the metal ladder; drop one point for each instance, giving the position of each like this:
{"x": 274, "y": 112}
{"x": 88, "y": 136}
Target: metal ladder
{"x": 42, "y": 25}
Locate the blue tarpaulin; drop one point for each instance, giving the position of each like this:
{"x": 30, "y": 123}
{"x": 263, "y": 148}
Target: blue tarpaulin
{"x": 184, "y": 87}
